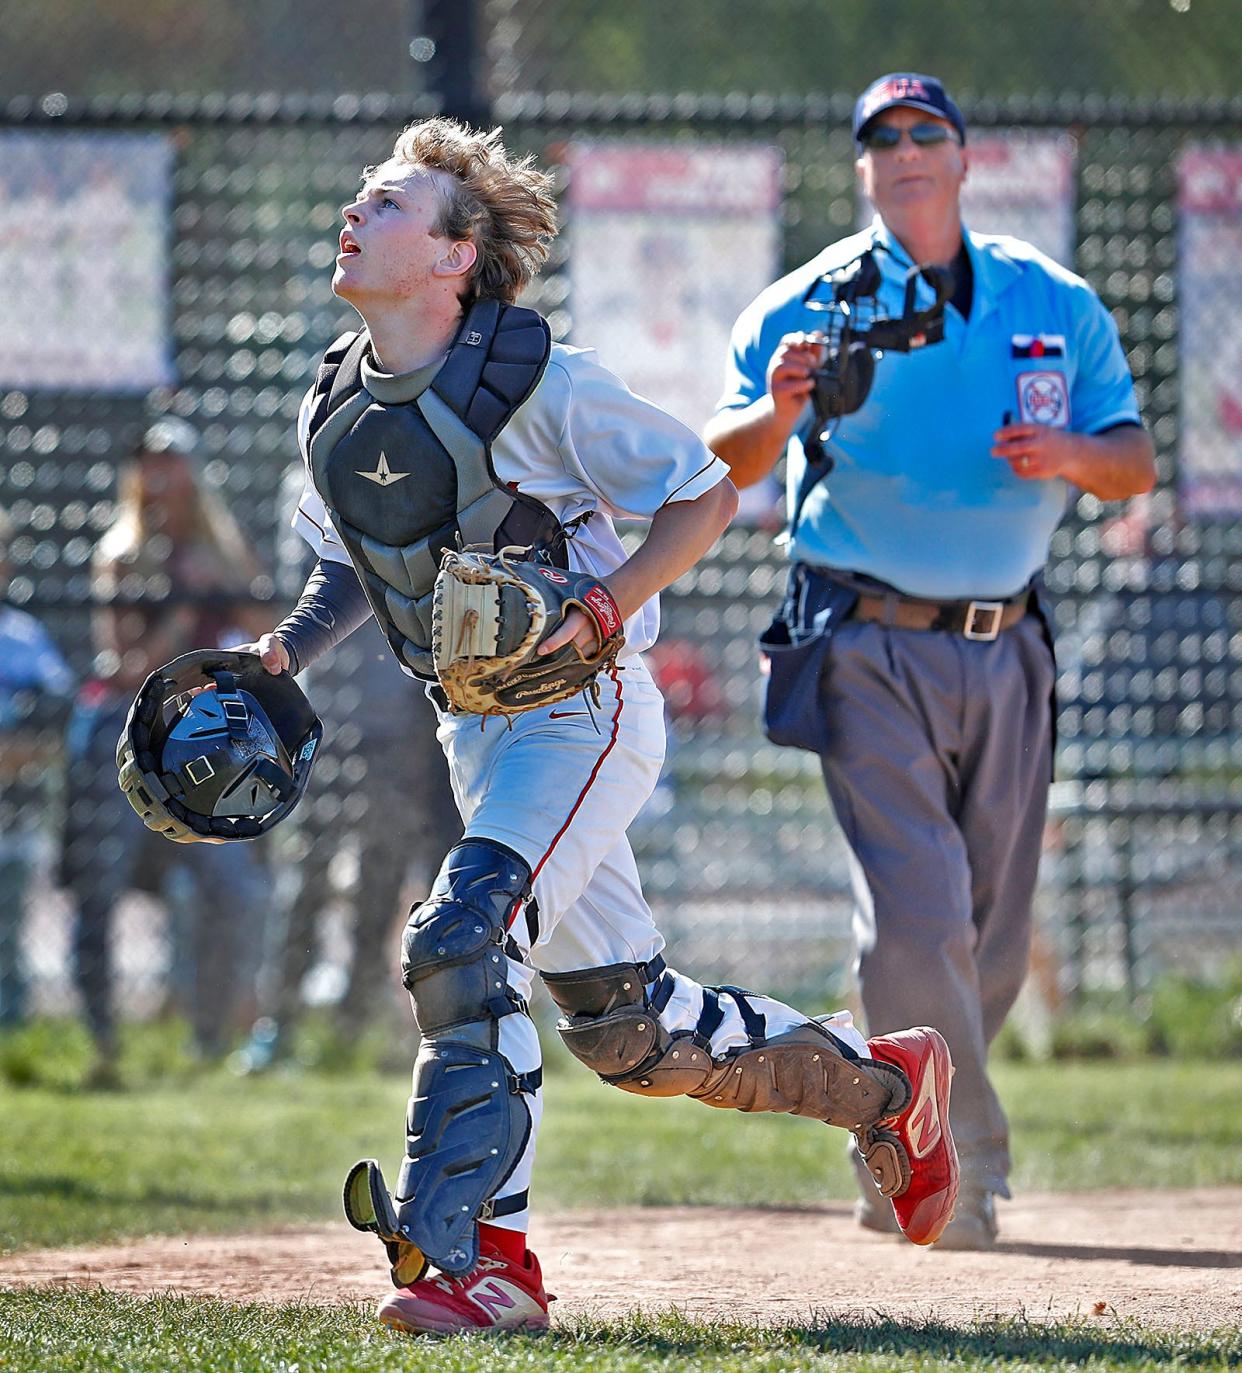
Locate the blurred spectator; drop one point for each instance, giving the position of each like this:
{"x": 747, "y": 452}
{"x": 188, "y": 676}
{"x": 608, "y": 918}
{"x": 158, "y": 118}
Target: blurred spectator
{"x": 381, "y": 800}
{"x": 691, "y": 689}
{"x": 693, "y": 699}
{"x": 35, "y": 689}
{"x": 171, "y": 573}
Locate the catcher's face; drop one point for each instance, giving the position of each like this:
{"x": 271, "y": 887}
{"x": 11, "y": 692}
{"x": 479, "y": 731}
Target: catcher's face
{"x": 390, "y": 250}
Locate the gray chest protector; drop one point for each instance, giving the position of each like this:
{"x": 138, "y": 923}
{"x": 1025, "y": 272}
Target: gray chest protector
{"x": 405, "y": 479}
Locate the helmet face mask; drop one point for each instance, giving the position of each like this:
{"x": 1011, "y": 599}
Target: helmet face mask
{"x": 216, "y": 748}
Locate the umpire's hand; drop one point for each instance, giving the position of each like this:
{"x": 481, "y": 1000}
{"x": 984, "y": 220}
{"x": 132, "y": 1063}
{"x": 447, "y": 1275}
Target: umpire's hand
{"x": 791, "y": 374}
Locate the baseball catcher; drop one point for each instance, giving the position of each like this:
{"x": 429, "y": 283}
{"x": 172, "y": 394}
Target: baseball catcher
{"x": 492, "y": 615}
{"x": 463, "y": 476}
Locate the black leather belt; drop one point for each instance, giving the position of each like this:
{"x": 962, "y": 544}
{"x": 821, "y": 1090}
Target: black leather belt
{"x": 982, "y": 620}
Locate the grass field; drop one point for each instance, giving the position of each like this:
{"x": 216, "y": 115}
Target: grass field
{"x": 217, "y": 1153}
{"x": 102, "y": 1333}
{"x": 220, "y": 1153}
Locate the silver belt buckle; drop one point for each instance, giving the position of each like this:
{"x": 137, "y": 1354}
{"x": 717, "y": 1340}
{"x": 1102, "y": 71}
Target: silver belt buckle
{"x": 976, "y": 609}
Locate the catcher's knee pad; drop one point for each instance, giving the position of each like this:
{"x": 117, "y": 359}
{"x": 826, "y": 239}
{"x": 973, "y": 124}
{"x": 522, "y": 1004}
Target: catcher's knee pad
{"x": 454, "y": 945}
{"x": 468, "y": 1120}
{"x": 612, "y": 1024}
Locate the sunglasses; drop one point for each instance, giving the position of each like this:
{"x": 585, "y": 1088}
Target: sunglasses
{"x": 882, "y": 137}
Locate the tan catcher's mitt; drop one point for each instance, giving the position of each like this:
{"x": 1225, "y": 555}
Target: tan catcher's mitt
{"x": 492, "y": 611}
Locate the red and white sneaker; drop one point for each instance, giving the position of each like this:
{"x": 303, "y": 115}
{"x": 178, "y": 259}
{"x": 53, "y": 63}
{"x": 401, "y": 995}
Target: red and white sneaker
{"x": 497, "y": 1294}
{"x": 924, "y": 1206}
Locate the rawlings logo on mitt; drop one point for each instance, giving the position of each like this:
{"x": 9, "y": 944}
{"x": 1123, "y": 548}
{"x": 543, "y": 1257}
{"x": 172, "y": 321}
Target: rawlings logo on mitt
{"x": 491, "y": 613}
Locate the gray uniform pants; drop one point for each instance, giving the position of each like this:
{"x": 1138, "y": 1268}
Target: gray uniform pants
{"x": 938, "y": 774}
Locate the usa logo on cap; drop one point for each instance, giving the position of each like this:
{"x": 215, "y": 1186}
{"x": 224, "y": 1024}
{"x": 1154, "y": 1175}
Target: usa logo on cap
{"x": 893, "y": 92}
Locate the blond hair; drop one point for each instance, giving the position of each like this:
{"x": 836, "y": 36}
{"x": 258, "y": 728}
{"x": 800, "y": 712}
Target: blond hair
{"x": 131, "y": 540}
{"x": 501, "y": 204}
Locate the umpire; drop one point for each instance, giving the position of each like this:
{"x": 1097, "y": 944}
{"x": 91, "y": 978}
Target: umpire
{"x": 921, "y": 667}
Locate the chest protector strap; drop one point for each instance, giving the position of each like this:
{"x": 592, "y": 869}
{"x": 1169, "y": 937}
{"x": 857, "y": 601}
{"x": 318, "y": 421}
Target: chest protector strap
{"x": 363, "y": 449}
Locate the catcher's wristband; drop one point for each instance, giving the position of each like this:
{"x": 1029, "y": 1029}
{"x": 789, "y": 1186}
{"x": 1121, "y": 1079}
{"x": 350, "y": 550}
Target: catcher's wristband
{"x": 604, "y": 610}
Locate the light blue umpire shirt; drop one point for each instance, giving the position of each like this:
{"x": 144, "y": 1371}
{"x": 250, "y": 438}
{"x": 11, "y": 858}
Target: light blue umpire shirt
{"x": 915, "y": 496}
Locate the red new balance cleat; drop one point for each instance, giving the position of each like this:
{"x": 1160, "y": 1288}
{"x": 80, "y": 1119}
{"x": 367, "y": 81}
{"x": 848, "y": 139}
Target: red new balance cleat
{"x": 498, "y": 1294}
{"x": 924, "y": 1204}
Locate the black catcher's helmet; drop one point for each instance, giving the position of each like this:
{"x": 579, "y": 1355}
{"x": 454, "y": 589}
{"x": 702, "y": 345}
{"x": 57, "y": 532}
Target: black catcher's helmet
{"x": 226, "y": 763}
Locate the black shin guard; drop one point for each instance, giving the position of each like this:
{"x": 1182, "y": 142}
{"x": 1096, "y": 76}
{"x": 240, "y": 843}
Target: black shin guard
{"x": 468, "y": 1120}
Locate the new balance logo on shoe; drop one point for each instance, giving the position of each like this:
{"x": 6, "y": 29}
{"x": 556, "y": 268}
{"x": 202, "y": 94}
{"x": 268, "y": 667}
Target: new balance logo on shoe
{"x": 924, "y": 1124}
{"x": 494, "y": 1297}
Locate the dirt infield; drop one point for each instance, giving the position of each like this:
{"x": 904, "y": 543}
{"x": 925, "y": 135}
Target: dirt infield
{"x": 1165, "y": 1258}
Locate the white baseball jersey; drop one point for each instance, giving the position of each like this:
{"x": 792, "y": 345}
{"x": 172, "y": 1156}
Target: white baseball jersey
{"x": 582, "y": 442}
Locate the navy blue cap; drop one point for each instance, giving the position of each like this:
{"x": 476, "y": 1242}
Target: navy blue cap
{"x": 911, "y": 89}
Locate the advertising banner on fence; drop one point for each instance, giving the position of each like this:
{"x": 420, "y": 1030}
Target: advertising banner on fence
{"x": 84, "y": 233}
{"x": 1019, "y": 183}
{"x": 1022, "y": 184}
{"x": 668, "y": 244}
{"x": 1209, "y": 467}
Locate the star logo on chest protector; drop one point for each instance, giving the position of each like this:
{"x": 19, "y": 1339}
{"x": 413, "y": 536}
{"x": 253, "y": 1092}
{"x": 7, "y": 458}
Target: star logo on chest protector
{"x": 383, "y": 474}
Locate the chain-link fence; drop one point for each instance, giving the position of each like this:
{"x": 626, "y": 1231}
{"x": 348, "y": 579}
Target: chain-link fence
{"x": 738, "y": 850}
